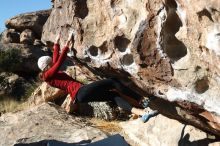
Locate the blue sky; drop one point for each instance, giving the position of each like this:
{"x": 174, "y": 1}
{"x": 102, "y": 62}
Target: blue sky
{"x": 10, "y": 8}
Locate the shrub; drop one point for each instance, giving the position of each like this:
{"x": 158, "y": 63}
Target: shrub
{"x": 29, "y": 90}
{"x": 10, "y": 60}
{"x": 8, "y": 104}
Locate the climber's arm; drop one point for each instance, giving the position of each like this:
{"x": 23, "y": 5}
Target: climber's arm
{"x": 56, "y": 49}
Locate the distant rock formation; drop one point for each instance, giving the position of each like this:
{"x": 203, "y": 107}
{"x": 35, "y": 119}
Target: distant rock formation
{"x": 33, "y": 21}
{"x": 20, "y": 48}
{"x": 10, "y": 36}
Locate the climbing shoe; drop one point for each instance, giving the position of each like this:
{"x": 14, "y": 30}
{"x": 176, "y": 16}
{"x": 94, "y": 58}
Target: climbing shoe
{"x": 147, "y": 116}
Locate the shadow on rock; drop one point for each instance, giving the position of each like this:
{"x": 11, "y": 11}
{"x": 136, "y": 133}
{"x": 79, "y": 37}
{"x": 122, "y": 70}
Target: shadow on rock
{"x": 114, "y": 140}
{"x": 185, "y": 140}
{"x": 54, "y": 143}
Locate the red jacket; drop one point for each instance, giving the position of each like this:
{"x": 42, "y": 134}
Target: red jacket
{"x": 60, "y": 79}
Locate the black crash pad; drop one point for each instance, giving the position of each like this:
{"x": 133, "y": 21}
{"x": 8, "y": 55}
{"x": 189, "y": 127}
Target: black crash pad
{"x": 115, "y": 140}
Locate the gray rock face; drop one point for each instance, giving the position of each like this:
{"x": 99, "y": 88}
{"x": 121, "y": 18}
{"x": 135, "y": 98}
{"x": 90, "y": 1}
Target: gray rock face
{"x": 28, "y": 57}
{"x": 45, "y": 122}
{"x": 33, "y": 21}
{"x": 10, "y": 36}
{"x": 27, "y": 37}
{"x": 138, "y": 41}
{"x": 162, "y": 131}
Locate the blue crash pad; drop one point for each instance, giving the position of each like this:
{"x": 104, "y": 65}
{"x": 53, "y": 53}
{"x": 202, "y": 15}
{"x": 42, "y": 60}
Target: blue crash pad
{"x": 115, "y": 140}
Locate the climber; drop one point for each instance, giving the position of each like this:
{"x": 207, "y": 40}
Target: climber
{"x": 103, "y": 90}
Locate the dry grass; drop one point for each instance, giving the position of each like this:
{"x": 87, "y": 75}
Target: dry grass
{"x": 111, "y": 128}
{"x": 10, "y": 105}
{"x": 106, "y": 126}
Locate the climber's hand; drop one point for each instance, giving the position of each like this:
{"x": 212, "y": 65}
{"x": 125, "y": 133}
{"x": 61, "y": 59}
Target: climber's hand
{"x": 70, "y": 44}
{"x": 57, "y": 40}
{"x": 71, "y": 34}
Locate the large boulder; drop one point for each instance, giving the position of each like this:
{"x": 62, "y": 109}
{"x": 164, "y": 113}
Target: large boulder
{"x": 10, "y": 36}
{"x": 45, "y": 93}
{"x": 21, "y": 58}
{"x": 166, "y": 49}
{"x": 45, "y": 122}
{"x": 162, "y": 131}
{"x": 33, "y": 21}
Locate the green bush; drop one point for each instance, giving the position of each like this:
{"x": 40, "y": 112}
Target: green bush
{"x": 10, "y": 60}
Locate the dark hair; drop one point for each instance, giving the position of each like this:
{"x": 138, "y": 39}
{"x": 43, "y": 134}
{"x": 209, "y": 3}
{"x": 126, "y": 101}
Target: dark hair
{"x": 40, "y": 75}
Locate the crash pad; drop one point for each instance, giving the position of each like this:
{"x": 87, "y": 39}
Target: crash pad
{"x": 114, "y": 140}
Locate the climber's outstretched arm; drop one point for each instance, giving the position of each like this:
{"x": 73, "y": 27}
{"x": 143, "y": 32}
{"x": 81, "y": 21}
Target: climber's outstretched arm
{"x": 56, "y": 48}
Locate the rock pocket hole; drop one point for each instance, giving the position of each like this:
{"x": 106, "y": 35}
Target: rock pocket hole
{"x": 127, "y": 59}
{"x": 206, "y": 13}
{"x": 174, "y": 48}
{"x": 114, "y": 3}
{"x": 173, "y": 22}
{"x": 81, "y": 10}
{"x": 171, "y": 3}
{"x": 202, "y": 85}
{"x": 104, "y": 47}
{"x": 93, "y": 51}
{"x": 121, "y": 43}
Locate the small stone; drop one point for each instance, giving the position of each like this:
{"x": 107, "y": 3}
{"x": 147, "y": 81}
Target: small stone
{"x": 27, "y": 37}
